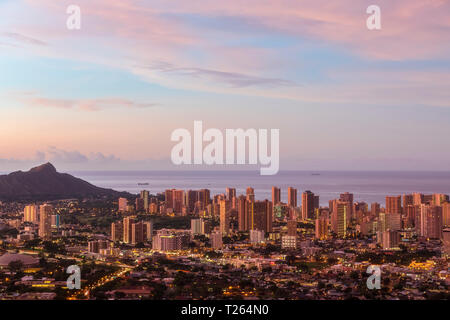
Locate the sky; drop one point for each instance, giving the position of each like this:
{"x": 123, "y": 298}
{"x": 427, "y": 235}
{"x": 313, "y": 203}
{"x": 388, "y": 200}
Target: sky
{"x": 109, "y": 95}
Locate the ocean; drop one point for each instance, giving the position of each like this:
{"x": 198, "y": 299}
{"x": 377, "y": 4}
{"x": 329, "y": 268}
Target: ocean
{"x": 368, "y": 186}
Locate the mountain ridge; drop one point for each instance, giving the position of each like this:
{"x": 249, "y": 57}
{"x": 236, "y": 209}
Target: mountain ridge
{"x": 45, "y": 182}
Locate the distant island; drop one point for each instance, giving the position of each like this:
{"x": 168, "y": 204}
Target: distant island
{"x": 45, "y": 183}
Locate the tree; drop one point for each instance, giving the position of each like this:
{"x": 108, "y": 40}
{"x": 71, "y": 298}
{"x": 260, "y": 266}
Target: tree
{"x": 290, "y": 259}
{"x": 267, "y": 269}
{"x": 140, "y": 245}
{"x": 354, "y": 275}
{"x": 15, "y": 266}
{"x": 42, "y": 262}
{"x": 332, "y": 260}
{"x": 54, "y": 248}
{"x": 32, "y": 243}
{"x": 320, "y": 285}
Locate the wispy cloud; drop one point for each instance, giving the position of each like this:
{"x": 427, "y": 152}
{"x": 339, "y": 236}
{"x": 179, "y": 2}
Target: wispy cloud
{"x": 246, "y": 58}
{"x": 33, "y": 100}
{"x": 62, "y": 158}
{"x": 236, "y": 80}
{"x": 20, "y": 38}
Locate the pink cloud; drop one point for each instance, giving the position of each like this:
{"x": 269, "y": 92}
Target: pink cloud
{"x": 411, "y": 29}
{"x": 126, "y": 34}
{"x": 32, "y": 99}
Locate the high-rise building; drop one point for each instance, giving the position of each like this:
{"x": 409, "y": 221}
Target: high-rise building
{"x": 294, "y": 213}
{"x": 225, "y": 217}
{"x": 439, "y": 199}
{"x": 292, "y": 228}
{"x": 446, "y": 214}
{"x": 200, "y": 226}
{"x": 289, "y": 242}
{"x": 231, "y": 196}
{"x": 139, "y": 203}
{"x": 339, "y": 217}
{"x": 410, "y": 213}
{"x": 347, "y": 197}
{"x": 316, "y": 202}
{"x": 55, "y": 220}
{"x": 374, "y": 209}
{"x": 140, "y": 232}
{"x": 418, "y": 199}
{"x": 308, "y": 205}
{"x": 388, "y": 239}
{"x": 178, "y": 200}
{"x": 30, "y": 214}
{"x": 382, "y": 225}
{"x": 175, "y": 200}
{"x": 204, "y": 197}
{"x": 359, "y": 210}
{"x": 166, "y": 240}
{"x": 280, "y": 211}
{"x": 408, "y": 200}
{"x": 137, "y": 233}
{"x": 231, "y": 193}
{"x": 123, "y": 204}
{"x": 117, "y": 231}
{"x": 219, "y": 197}
{"x": 216, "y": 240}
{"x": 242, "y": 206}
{"x": 321, "y": 228}
{"x": 260, "y": 215}
{"x": 276, "y": 195}
{"x": 430, "y": 221}
{"x": 169, "y": 198}
{"x": 428, "y": 199}
{"x": 393, "y": 221}
{"x": 292, "y": 197}
{"x": 191, "y": 197}
{"x": 93, "y": 247}
{"x": 254, "y": 215}
{"x": 389, "y": 221}
{"x": 394, "y": 204}
{"x": 446, "y": 242}
{"x": 197, "y": 226}
{"x": 145, "y": 196}
{"x": 257, "y": 236}
{"x": 153, "y": 208}
{"x": 148, "y": 230}
{"x": 250, "y": 193}
{"x": 45, "y": 212}
{"x": 127, "y": 229}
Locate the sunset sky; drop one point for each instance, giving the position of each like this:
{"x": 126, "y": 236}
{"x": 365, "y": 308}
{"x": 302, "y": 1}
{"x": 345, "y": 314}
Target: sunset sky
{"x": 109, "y": 95}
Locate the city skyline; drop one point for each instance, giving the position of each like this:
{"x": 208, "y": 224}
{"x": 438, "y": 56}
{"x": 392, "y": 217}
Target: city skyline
{"x": 109, "y": 95}
{"x": 288, "y": 252}
{"x": 227, "y": 241}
